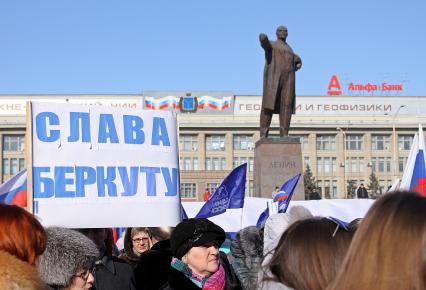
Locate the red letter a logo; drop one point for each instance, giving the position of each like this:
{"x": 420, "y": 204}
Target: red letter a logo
{"x": 334, "y": 86}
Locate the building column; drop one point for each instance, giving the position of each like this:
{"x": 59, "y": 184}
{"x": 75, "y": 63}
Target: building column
{"x": 229, "y": 150}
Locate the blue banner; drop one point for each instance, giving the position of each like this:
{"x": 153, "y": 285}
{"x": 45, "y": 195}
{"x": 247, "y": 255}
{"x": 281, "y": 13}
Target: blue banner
{"x": 229, "y": 194}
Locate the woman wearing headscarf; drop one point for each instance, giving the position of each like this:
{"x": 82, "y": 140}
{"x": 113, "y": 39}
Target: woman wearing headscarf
{"x": 197, "y": 262}
{"x": 136, "y": 242}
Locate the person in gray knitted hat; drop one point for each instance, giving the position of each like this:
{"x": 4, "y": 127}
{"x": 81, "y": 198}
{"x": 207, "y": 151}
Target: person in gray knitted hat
{"x": 68, "y": 260}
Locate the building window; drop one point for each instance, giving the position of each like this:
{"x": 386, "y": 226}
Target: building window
{"x": 326, "y": 142}
{"x": 354, "y": 142}
{"x": 402, "y": 161}
{"x": 189, "y": 163}
{"x": 6, "y": 166}
{"x": 250, "y": 188}
{"x": 11, "y": 166}
{"x": 215, "y": 143}
{"x": 215, "y": 163}
{"x": 381, "y": 164}
{"x": 188, "y": 142}
{"x": 405, "y": 142}
{"x": 305, "y": 161}
{"x": 237, "y": 161}
{"x": 326, "y": 165}
{"x": 327, "y": 188}
{"x": 355, "y": 164}
{"x": 188, "y": 190}
{"x": 361, "y": 164}
{"x": 380, "y": 142}
{"x": 334, "y": 189}
{"x": 243, "y": 142}
{"x": 303, "y": 141}
{"x": 13, "y": 142}
{"x": 250, "y": 164}
{"x": 211, "y": 187}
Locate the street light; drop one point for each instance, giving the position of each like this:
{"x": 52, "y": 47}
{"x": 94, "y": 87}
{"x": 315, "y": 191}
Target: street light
{"x": 343, "y": 164}
{"x": 395, "y": 161}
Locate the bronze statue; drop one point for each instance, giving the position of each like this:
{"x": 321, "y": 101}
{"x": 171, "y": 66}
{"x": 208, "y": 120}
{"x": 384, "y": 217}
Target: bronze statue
{"x": 278, "y": 82}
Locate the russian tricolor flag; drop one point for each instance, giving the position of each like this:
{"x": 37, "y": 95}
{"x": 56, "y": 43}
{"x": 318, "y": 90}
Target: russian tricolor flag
{"x": 14, "y": 190}
{"x": 414, "y": 178}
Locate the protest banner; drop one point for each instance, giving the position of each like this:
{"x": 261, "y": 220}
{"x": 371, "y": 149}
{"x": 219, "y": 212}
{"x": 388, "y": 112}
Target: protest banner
{"x": 104, "y": 167}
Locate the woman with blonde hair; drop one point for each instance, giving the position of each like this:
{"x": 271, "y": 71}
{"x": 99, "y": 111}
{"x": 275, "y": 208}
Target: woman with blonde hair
{"x": 389, "y": 248}
{"x": 310, "y": 253}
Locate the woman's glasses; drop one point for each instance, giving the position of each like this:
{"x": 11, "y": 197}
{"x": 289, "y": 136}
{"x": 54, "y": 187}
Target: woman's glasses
{"x": 140, "y": 240}
{"x": 85, "y": 274}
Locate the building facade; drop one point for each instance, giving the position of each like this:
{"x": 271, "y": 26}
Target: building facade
{"x": 344, "y": 138}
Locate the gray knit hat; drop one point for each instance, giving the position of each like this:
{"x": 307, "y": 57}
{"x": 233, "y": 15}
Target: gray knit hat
{"x": 66, "y": 252}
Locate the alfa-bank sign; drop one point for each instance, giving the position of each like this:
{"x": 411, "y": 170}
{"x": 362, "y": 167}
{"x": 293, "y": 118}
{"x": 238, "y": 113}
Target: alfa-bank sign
{"x": 353, "y": 88}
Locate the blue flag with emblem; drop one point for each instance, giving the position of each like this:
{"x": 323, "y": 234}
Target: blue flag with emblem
{"x": 229, "y": 194}
{"x": 283, "y": 197}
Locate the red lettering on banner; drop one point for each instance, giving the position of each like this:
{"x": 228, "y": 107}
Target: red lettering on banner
{"x": 334, "y": 87}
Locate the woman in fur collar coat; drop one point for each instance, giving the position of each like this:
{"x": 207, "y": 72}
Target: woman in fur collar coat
{"x": 17, "y": 274}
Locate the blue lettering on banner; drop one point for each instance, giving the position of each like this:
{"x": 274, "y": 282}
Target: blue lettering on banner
{"x": 133, "y": 133}
{"x": 159, "y": 132}
{"x": 130, "y": 184}
{"x": 107, "y": 129}
{"x": 41, "y": 124}
{"x": 150, "y": 179}
{"x": 75, "y": 118}
{"x": 71, "y": 182}
{"x": 79, "y": 129}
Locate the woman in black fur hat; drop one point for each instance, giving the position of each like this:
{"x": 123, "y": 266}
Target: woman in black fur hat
{"x": 197, "y": 262}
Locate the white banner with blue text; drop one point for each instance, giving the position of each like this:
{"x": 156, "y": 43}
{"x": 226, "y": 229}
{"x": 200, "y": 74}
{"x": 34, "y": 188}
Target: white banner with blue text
{"x": 104, "y": 167}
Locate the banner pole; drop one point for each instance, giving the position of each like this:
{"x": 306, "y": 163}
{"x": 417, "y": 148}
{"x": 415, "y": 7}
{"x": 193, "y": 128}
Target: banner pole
{"x": 29, "y": 156}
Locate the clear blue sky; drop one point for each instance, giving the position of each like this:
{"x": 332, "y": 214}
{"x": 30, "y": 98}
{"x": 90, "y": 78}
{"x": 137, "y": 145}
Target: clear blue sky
{"x": 102, "y": 46}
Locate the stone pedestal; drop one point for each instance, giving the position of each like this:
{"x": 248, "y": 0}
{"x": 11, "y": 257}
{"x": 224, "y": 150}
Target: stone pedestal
{"x": 275, "y": 161}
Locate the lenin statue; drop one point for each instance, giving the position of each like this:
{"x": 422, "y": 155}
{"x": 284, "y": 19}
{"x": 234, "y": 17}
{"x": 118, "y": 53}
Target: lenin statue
{"x": 278, "y": 82}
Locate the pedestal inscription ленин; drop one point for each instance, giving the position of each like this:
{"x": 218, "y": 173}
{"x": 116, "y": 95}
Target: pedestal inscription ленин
{"x": 275, "y": 161}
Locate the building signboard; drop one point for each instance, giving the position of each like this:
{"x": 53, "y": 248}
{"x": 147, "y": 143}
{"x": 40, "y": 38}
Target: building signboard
{"x": 17, "y": 106}
{"x": 339, "y": 105}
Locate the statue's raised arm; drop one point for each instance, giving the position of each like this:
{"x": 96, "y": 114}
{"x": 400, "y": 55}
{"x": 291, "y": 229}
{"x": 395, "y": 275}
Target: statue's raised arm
{"x": 281, "y": 63}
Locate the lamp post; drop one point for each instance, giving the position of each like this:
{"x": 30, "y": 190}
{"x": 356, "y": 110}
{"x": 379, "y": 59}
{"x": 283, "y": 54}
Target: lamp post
{"x": 395, "y": 161}
{"x": 343, "y": 164}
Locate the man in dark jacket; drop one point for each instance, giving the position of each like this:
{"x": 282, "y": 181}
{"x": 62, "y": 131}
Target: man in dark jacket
{"x": 111, "y": 273}
{"x": 362, "y": 192}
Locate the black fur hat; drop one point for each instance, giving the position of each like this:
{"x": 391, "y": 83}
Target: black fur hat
{"x": 193, "y": 233}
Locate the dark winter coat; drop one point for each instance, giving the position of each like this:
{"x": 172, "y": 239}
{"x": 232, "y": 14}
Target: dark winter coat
{"x": 246, "y": 256}
{"x": 362, "y": 192}
{"x": 153, "y": 267}
{"x": 112, "y": 273}
{"x": 178, "y": 281}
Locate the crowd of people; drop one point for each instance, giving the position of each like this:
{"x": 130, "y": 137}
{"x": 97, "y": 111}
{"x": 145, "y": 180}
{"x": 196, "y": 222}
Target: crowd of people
{"x": 293, "y": 250}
